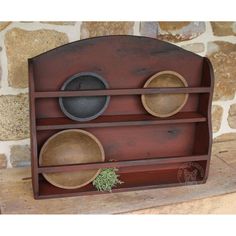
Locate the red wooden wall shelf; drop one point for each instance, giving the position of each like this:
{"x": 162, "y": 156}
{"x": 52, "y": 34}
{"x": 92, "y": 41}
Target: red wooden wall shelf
{"x": 149, "y": 151}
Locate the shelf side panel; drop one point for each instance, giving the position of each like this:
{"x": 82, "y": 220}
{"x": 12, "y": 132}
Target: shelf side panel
{"x": 203, "y": 138}
{"x": 33, "y": 136}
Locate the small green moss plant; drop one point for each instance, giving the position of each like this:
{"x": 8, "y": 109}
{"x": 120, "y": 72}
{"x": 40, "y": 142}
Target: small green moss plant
{"x": 107, "y": 179}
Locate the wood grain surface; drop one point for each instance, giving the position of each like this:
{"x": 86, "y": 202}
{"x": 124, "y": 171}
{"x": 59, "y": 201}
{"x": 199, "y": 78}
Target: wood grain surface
{"x": 16, "y": 195}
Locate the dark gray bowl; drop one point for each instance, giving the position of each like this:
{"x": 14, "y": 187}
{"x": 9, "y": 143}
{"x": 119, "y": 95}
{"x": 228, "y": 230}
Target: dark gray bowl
{"x": 84, "y": 108}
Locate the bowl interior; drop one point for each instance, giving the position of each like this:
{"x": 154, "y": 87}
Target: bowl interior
{"x": 164, "y": 105}
{"x": 71, "y": 147}
{"x": 84, "y": 108}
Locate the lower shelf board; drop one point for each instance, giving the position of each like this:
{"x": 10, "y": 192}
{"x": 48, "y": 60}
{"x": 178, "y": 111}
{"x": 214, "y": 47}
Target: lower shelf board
{"x": 45, "y": 195}
{"x": 131, "y": 182}
{"x": 128, "y": 166}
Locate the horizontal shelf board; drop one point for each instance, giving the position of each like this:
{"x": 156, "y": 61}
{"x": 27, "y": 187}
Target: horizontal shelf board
{"x": 44, "y": 193}
{"x": 118, "y": 120}
{"x": 133, "y": 169}
{"x": 120, "y": 164}
{"x": 119, "y": 92}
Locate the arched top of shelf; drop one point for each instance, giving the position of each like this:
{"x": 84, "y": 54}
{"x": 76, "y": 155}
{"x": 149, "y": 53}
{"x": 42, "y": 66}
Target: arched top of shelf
{"x": 125, "y": 61}
{"x": 151, "y": 46}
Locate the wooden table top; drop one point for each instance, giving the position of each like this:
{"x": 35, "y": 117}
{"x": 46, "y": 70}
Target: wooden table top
{"x": 16, "y": 195}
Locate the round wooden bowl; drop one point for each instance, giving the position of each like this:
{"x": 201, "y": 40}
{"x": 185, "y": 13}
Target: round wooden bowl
{"x": 84, "y": 108}
{"x": 164, "y": 105}
{"x": 72, "y": 146}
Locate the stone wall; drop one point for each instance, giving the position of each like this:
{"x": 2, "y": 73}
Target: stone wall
{"x": 21, "y": 40}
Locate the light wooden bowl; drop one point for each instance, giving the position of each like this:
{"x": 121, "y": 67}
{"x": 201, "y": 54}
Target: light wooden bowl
{"x": 72, "y": 146}
{"x": 164, "y": 105}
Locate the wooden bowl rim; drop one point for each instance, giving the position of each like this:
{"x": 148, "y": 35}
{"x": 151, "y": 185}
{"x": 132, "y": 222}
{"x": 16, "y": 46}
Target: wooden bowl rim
{"x": 94, "y": 138}
{"x": 143, "y": 97}
{"x": 75, "y": 76}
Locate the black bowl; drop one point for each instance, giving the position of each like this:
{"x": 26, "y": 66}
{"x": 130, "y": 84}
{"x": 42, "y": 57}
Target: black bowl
{"x": 84, "y": 108}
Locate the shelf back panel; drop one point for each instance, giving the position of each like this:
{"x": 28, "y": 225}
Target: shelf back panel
{"x": 140, "y": 142}
{"x": 118, "y": 105}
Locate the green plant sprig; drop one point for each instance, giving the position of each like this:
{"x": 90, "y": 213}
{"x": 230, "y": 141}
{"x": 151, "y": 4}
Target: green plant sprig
{"x": 106, "y": 180}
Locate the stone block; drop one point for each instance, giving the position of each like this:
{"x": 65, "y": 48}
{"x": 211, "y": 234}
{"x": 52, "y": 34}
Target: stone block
{"x": 223, "y": 58}
{"x": 173, "y": 31}
{"x": 14, "y": 117}
{"x": 93, "y": 29}
{"x": 20, "y": 155}
{"x": 3, "y": 161}
{"x": 217, "y": 112}
{"x": 221, "y": 28}
{"x": 232, "y": 116}
{"x": 22, "y": 44}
